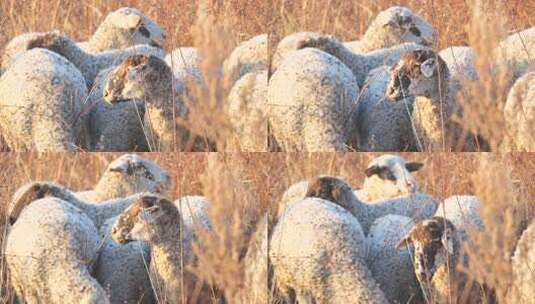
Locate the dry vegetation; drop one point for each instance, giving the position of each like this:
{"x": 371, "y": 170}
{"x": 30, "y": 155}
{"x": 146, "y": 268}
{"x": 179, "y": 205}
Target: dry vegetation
{"x": 242, "y": 187}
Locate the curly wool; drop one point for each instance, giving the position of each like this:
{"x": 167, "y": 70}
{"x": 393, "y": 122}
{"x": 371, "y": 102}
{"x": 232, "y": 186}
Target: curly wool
{"x": 311, "y": 102}
{"x": 318, "y": 251}
{"x": 43, "y": 97}
{"x": 247, "y": 110}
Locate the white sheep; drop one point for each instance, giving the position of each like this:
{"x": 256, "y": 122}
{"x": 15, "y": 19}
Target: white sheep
{"x": 123, "y": 28}
{"x": 388, "y": 176}
{"x": 318, "y": 254}
{"x": 437, "y": 255}
{"x": 359, "y": 64}
{"x": 515, "y": 52}
{"x": 423, "y": 74}
{"x": 461, "y": 62}
{"x": 53, "y": 263}
{"x": 311, "y": 102}
{"x": 149, "y": 78}
{"x": 116, "y": 268}
{"x": 393, "y": 26}
{"x": 116, "y": 127}
{"x": 127, "y": 175}
{"x": 185, "y": 63}
{"x": 392, "y": 268}
{"x": 247, "y": 108}
{"x": 158, "y": 222}
{"x": 463, "y": 211}
{"x": 417, "y": 206}
{"x": 123, "y": 269}
{"x": 249, "y": 56}
{"x": 522, "y": 265}
{"x": 89, "y": 64}
{"x": 383, "y": 125}
{"x": 42, "y": 103}
{"x": 519, "y": 112}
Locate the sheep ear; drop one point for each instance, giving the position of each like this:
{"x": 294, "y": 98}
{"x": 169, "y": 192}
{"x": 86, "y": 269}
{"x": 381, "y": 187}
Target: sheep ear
{"x": 372, "y": 170}
{"x": 414, "y": 166}
{"x": 428, "y": 67}
{"x": 123, "y": 167}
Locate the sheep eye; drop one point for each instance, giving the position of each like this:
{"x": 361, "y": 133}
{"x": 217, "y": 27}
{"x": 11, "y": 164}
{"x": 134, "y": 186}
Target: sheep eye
{"x": 143, "y": 30}
{"x": 415, "y": 31}
{"x": 385, "y": 173}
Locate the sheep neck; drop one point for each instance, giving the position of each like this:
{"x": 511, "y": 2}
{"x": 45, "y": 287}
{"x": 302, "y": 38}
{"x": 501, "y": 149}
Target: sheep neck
{"x": 355, "y": 62}
{"x": 78, "y": 57}
{"x": 167, "y": 260}
{"x": 432, "y": 115}
{"x": 161, "y": 112}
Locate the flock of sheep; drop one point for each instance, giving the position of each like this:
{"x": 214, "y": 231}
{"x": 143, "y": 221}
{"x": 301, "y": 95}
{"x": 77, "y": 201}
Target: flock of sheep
{"x": 389, "y": 91}
{"x": 125, "y": 242}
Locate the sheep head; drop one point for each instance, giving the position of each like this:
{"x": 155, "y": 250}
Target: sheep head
{"x": 129, "y": 26}
{"x": 391, "y": 176}
{"x": 435, "y": 244}
{"x": 138, "y": 77}
{"x": 150, "y": 218}
{"x": 333, "y": 189}
{"x": 136, "y": 174}
{"x": 418, "y": 73}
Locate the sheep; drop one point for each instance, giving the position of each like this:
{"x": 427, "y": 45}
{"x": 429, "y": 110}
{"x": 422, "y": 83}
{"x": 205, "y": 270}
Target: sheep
{"x": 123, "y": 28}
{"x": 120, "y": 269}
{"x": 392, "y": 268}
{"x": 463, "y": 211}
{"x": 522, "y": 266}
{"x": 157, "y": 221}
{"x": 185, "y": 63}
{"x": 127, "y": 175}
{"x": 89, "y": 64}
{"x": 149, "y": 78}
{"x": 393, "y": 26}
{"x": 311, "y": 101}
{"x": 247, "y": 109}
{"x": 424, "y": 75}
{"x": 115, "y": 127}
{"x": 98, "y": 213}
{"x": 437, "y": 254}
{"x": 53, "y": 263}
{"x": 417, "y": 206}
{"x": 388, "y": 176}
{"x": 383, "y": 125}
{"x": 514, "y": 52}
{"x": 42, "y": 100}
{"x": 317, "y": 249}
{"x": 359, "y": 64}
{"x": 519, "y": 112}
{"x": 123, "y": 270}
{"x": 461, "y": 62}
{"x": 249, "y": 56}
